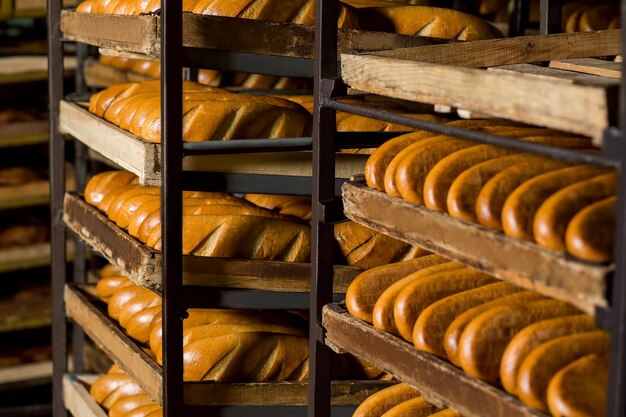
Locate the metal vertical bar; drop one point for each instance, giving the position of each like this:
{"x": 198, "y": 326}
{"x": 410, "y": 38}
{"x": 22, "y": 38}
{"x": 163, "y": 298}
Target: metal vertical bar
{"x": 57, "y": 189}
{"x": 616, "y": 401}
{"x": 323, "y": 190}
{"x": 518, "y": 21}
{"x": 171, "y": 204}
{"x": 551, "y": 15}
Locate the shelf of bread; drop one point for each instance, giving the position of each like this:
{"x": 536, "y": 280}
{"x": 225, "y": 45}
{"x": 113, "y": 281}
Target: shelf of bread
{"x": 89, "y": 313}
{"x": 143, "y": 158}
{"x": 17, "y": 9}
{"x": 24, "y": 133}
{"x": 21, "y": 69}
{"x": 143, "y": 264}
{"x": 140, "y": 35}
{"x": 77, "y": 398}
{"x": 563, "y": 96}
{"x": 521, "y": 262}
{"x": 439, "y": 382}
{"x": 98, "y": 75}
{"x": 28, "y": 309}
{"x": 24, "y": 257}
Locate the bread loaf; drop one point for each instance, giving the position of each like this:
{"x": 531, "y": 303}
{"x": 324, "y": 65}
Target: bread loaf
{"x": 520, "y": 207}
{"x": 365, "y": 289}
{"x": 534, "y": 335}
{"x": 590, "y": 235}
{"x": 18, "y": 235}
{"x": 109, "y": 285}
{"x": 419, "y": 294}
{"x": 384, "y": 400}
{"x": 579, "y": 389}
{"x": 101, "y": 184}
{"x": 546, "y": 360}
{"x": 457, "y": 327}
{"x": 554, "y": 214}
{"x": 13, "y": 176}
{"x": 383, "y": 313}
{"x": 294, "y": 206}
{"x": 113, "y": 387}
{"x": 485, "y": 338}
{"x": 493, "y": 195}
{"x": 128, "y": 405}
{"x": 430, "y": 328}
{"x": 427, "y": 21}
{"x": 415, "y": 407}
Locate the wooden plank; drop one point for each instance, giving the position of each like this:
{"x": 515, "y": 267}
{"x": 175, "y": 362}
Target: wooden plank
{"x": 147, "y": 373}
{"x": 24, "y": 257}
{"x": 16, "y": 69}
{"x": 556, "y": 75}
{"x": 27, "y": 372}
{"x": 28, "y": 309}
{"x": 590, "y": 66}
{"x": 139, "y": 34}
{"x": 143, "y": 158}
{"x": 518, "y": 50}
{"x": 114, "y": 342}
{"x": 521, "y": 262}
{"x": 77, "y": 399}
{"x": 438, "y": 381}
{"x": 143, "y": 265}
{"x": 30, "y": 194}
{"x": 576, "y": 108}
{"x": 24, "y": 133}
{"x": 128, "y": 151}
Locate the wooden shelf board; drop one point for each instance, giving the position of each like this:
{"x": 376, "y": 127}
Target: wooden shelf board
{"x": 24, "y": 133}
{"x": 439, "y": 75}
{"x": 143, "y": 158}
{"x": 28, "y": 310}
{"x": 140, "y": 35}
{"x": 25, "y": 257}
{"x": 29, "y": 68}
{"x": 143, "y": 369}
{"x": 77, "y": 398}
{"x": 521, "y": 262}
{"x": 438, "y": 381}
{"x": 143, "y": 264}
{"x": 27, "y": 372}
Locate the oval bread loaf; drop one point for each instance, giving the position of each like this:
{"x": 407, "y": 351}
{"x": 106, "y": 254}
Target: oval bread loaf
{"x": 379, "y": 403}
{"x": 415, "y": 407}
{"x": 590, "y": 235}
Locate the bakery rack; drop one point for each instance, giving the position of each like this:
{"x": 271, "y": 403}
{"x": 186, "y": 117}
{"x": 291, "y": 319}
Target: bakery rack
{"x": 601, "y": 292}
{"x": 139, "y": 36}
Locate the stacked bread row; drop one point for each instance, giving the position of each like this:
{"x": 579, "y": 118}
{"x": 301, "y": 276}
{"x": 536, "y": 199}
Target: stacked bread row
{"x": 16, "y": 116}
{"x": 208, "y": 113}
{"x": 536, "y": 348}
{"x": 400, "y": 400}
{"x": 371, "y": 15}
{"x": 259, "y": 227}
{"x": 560, "y": 206}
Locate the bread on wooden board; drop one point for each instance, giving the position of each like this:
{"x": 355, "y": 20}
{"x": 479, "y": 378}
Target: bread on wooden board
{"x": 579, "y": 389}
{"x": 382, "y": 401}
{"x": 457, "y": 327}
{"x": 383, "y": 313}
{"x": 543, "y": 362}
{"x": 431, "y": 325}
{"x": 534, "y": 335}
{"x": 365, "y": 289}
{"x": 485, "y": 338}
{"x": 287, "y": 205}
{"x": 101, "y": 184}
{"x": 493, "y": 195}
{"x": 555, "y": 213}
{"x": 122, "y": 408}
{"x": 415, "y": 407}
{"x": 419, "y": 294}
{"x": 113, "y": 387}
{"x": 590, "y": 235}
{"x": 521, "y": 206}
{"x": 427, "y": 21}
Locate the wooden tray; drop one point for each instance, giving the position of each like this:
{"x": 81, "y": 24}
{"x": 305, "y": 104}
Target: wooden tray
{"x": 438, "y": 381}
{"x": 140, "y": 35}
{"x": 448, "y": 75}
{"x": 144, "y": 158}
{"x": 143, "y": 264}
{"x": 24, "y": 133}
{"x": 32, "y": 373}
{"x": 83, "y": 309}
{"x": 521, "y": 262}
{"x": 20, "y": 69}
{"x": 25, "y": 257}
{"x": 77, "y": 398}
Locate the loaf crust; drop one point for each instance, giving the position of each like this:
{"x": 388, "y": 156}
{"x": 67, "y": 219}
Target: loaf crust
{"x": 384, "y": 400}
{"x": 590, "y": 235}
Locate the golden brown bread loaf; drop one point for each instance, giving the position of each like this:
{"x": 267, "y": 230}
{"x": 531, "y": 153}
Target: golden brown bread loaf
{"x": 384, "y": 400}
{"x": 113, "y": 387}
{"x": 209, "y": 113}
{"x": 427, "y": 21}
{"x": 591, "y": 233}
{"x": 23, "y": 235}
{"x": 579, "y": 389}
{"x": 13, "y": 176}
{"x": 294, "y": 206}
{"x": 15, "y": 116}
{"x": 109, "y": 285}
{"x": 534, "y": 335}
